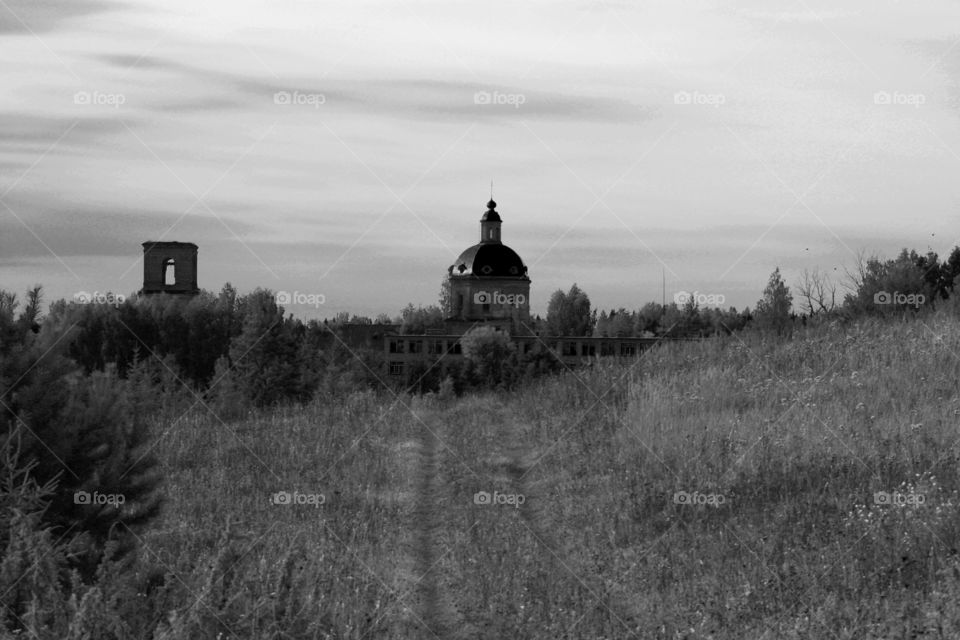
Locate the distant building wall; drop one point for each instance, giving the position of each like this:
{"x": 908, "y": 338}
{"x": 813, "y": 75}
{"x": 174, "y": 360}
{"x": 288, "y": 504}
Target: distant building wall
{"x": 170, "y": 267}
{"x": 402, "y": 351}
{"x": 489, "y": 298}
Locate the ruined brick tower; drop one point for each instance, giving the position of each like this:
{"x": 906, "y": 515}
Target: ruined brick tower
{"x": 170, "y": 267}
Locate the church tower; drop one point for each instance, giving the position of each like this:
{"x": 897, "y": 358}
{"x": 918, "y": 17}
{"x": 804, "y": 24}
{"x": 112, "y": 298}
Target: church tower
{"x": 489, "y": 282}
{"x": 490, "y": 224}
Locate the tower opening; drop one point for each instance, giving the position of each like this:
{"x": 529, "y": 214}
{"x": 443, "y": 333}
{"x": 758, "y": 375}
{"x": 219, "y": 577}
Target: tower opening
{"x": 169, "y": 272}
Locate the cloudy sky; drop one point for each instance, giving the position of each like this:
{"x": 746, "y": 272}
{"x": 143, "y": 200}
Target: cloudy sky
{"x": 346, "y": 149}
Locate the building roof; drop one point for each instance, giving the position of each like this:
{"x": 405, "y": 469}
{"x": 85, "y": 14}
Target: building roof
{"x": 168, "y": 243}
{"x": 491, "y": 215}
{"x": 489, "y": 260}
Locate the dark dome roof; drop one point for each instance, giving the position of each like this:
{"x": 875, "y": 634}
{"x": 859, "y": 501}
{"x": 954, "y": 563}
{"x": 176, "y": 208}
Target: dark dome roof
{"x": 489, "y": 259}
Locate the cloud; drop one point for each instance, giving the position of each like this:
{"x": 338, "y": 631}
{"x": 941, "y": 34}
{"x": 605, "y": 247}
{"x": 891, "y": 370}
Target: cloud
{"x": 38, "y": 16}
{"x": 82, "y": 229}
{"x": 795, "y": 16}
{"x": 417, "y": 99}
{"x": 31, "y": 133}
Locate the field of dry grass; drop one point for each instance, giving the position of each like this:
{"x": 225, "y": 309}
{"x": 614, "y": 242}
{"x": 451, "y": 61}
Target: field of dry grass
{"x": 734, "y": 488}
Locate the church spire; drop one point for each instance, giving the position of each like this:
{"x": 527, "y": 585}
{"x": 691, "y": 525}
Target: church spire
{"x": 490, "y": 224}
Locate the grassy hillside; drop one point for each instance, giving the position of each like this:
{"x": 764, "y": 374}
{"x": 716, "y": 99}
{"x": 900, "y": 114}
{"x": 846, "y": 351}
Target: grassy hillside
{"x": 784, "y": 449}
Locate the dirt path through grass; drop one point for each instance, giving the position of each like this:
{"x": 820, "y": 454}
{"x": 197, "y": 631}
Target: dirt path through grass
{"x": 454, "y": 550}
{"x": 431, "y": 608}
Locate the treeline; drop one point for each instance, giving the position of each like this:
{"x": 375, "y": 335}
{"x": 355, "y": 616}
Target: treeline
{"x": 243, "y": 351}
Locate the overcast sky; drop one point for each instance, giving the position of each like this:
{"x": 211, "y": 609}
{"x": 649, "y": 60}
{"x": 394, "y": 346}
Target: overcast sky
{"x": 346, "y": 149}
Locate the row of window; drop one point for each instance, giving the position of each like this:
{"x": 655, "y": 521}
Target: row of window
{"x": 606, "y": 349}
{"x": 568, "y": 348}
{"x": 434, "y": 347}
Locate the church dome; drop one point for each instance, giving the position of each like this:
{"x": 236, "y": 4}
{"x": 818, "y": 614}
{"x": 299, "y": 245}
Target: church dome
{"x": 489, "y": 260}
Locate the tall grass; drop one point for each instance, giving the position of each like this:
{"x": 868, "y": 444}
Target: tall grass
{"x": 797, "y": 439}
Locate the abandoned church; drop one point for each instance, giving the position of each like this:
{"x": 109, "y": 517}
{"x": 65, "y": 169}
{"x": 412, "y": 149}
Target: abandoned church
{"x": 488, "y": 285}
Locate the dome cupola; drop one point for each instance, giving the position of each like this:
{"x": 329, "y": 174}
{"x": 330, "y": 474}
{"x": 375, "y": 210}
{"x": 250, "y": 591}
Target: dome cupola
{"x": 490, "y": 257}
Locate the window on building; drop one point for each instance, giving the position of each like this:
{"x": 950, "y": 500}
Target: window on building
{"x": 169, "y": 272}
{"x": 396, "y": 368}
{"x": 628, "y": 349}
{"x": 588, "y": 349}
{"x": 416, "y": 346}
{"x": 569, "y": 348}
{"x": 396, "y": 346}
{"x": 457, "y": 348}
{"x": 606, "y": 349}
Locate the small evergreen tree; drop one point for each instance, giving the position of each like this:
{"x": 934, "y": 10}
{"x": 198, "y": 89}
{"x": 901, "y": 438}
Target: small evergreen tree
{"x": 773, "y": 310}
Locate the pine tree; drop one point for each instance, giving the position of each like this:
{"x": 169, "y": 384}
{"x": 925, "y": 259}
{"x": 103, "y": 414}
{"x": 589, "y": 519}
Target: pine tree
{"x": 773, "y": 310}
{"x": 79, "y": 432}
